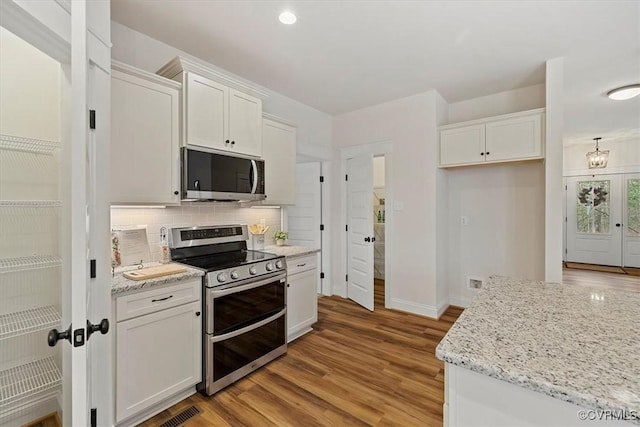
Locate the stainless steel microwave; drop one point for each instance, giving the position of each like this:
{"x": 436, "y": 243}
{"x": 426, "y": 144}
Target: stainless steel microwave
{"x": 213, "y": 176}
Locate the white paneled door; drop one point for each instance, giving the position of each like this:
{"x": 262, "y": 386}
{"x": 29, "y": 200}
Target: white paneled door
{"x": 360, "y": 230}
{"x": 631, "y": 220}
{"x": 303, "y": 219}
{"x": 54, "y": 213}
{"x": 594, "y": 220}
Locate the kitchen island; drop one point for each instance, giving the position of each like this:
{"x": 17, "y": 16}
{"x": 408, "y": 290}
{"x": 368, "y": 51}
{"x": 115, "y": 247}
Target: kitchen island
{"x": 529, "y": 353}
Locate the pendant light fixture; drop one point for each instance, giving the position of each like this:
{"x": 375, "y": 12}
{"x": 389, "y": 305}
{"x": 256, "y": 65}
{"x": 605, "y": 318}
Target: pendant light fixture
{"x": 598, "y": 159}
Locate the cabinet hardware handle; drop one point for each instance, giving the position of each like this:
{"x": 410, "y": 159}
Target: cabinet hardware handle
{"x": 302, "y": 265}
{"x": 176, "y": 192}
{"x": 227, "y": 141}
{"x": 482, "y": 154}
{"x": 197, "y": 313}
{"x": 288, "y": 285}
{"x": 488, "y": 153}
{"x": 233, "y": 143}
{"x": 162, "y": 299}
{"x": 618, "y": 225}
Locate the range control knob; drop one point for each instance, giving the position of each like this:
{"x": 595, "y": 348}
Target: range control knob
{"x": 222, "y": 277}
{"x": 279, "y": 264}
{"x": 269, "y": 266}
{"x": 253, "y": 269}
{"x": 234, "y": 274}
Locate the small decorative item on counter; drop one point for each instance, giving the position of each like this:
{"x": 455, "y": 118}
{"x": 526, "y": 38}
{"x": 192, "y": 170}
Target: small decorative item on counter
{"x": 165, "y": 256}
{"x": 280, "y": 237}
{"x": 379, "y": 216}
{"x": 257, "y": 235}
{"x": 383, "y": 216}
{"x": 116, "y": 259}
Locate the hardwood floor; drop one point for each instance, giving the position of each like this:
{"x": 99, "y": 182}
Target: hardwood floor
{"x": 602, "y": 280}
{"x": 378, "y": 293}
{"x": 357, "y": 368}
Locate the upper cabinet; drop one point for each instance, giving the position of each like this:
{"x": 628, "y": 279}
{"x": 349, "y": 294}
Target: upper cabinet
{"x": 279, "y": 154}
{"x": 218, "y": 112}
{"x": 507, "y": 138}
{"x": 145, "y": 132}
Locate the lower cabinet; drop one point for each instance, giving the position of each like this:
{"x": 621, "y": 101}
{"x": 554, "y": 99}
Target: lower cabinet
{"x": 157, "y": 355}
{"x": 302, "y": 296}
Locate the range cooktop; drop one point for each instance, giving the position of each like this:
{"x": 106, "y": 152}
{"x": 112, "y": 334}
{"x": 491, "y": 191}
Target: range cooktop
{"x": 221, "y": 261}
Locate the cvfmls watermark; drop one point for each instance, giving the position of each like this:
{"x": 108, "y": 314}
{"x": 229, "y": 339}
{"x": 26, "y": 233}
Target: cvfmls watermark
{"x": 608, "y": 415}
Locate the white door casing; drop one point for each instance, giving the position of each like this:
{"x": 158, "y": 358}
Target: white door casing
{"x": 360, "y": 230}
{"x": 631, "y": 220}
{"x": 594, "y": 218}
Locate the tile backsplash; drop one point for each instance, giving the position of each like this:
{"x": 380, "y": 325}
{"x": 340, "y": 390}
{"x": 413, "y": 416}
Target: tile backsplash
{"x": 190, "y": 215}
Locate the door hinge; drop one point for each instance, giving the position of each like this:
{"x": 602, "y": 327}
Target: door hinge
{"x": 322, "y": 275}
{"x": 565, "y": 187}
{"x": 346, "y": 177}
{"x": 92, "y": 269}
{"x": 346, "y": 227}
{"x": 92, "y": 119}
{"x": 565, "y": 251}
{"x": 321, "y": 227}
{"x": 565, "y": 219}
{"x": 94, "y": 417}
{"x": 321, "y": 178}
{"x": 78, "y": 337}
{"x": 346, "y": 278}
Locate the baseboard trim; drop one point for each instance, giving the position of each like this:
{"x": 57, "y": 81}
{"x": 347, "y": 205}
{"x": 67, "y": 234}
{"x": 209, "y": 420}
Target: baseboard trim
{"x": 417, "y": 308}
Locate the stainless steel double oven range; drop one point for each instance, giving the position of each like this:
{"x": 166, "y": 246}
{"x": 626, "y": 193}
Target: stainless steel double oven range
{"x": 244, "y": 301}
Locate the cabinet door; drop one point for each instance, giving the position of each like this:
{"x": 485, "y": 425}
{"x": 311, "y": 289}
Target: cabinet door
{"x": 514, "y": 139}
{"x": 144, "y": 141}
{"x": 245, "y": 123}
{"x": 157, "y": 355}
{"x": 463, "y": 145}
{"x": 302, "y": 303}
{"x": 206, "y": 112}
{"x": 279, "y": 155}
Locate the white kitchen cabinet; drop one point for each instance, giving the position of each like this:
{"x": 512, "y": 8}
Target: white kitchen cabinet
{"x": 145, "y": 131}
{"x": 302, "y": 298}
{"x": 159, "y": 354}
{"x": 219, "y": 112}
{"x": 279, "y": 155}
{"x": 512, "y": 137}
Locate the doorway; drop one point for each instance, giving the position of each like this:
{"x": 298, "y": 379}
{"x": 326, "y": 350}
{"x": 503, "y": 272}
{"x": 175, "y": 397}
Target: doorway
{"x": 366, "y": 193}
{"x": 379, "y": 218}
{"x": 603, "y": 220}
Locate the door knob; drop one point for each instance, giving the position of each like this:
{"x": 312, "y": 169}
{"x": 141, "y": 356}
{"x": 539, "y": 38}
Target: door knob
{"x": 54, "y": 336}
{"x": 367, "y": 239}
{"x": 373, "y": 239}
{"x": 618, "y": 225}
{"x": 102, "y": 327}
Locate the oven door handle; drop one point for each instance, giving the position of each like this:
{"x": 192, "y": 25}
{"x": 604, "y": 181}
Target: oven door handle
{"x": 232, "y": 290}
{"x": 248, "y": 328}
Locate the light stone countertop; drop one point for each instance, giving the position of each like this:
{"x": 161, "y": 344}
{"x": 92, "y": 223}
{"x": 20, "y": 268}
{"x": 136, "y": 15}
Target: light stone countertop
{"x": 290, "y": 251}
{"x": 120, "y": 284}
{"x": 577, "y": 344}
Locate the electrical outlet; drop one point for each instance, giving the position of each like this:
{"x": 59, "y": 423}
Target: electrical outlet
{"x": 474, "y": 283}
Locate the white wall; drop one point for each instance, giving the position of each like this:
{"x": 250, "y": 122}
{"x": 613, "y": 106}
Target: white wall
{"x": 442, "y": 217}
{"x": 512, "y": 101}
{"x": 32, "y": 109}
{"x": 409, "y": 125}
{"x": 144, "y": 52}
{"x": 504, "y": 205}
{"x": 378, "y": 172}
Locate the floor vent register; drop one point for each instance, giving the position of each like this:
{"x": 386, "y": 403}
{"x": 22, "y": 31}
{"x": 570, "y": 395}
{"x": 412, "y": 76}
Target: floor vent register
{"x": 182, "y": 417}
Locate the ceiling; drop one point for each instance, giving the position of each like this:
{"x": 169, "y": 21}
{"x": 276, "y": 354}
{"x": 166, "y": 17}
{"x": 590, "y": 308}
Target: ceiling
{"x": 344, "y": 55}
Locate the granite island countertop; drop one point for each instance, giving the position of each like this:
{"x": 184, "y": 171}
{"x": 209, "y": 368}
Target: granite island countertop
{"x": 577, "y": 344}
{"x": 120, "y": 284}
{"x": 290, "y": 251}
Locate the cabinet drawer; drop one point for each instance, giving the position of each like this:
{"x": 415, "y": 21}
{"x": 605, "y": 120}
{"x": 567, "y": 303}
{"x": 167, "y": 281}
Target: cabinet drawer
{"x": 301, "y": 263}
{"x": 150, "y": 301}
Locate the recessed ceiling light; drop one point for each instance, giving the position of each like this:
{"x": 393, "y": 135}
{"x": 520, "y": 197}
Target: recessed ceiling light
{"x": 287, "y": 17}
{"x": 624, "y": 92}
